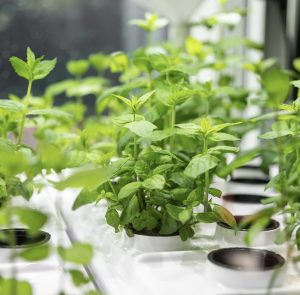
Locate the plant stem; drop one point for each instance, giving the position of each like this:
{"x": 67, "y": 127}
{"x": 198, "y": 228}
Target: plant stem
{"x": 25, "y": 111}
{"x": 135, "y": 146}
{"x": 149, "y": 38}
{"x": 141, "y": 198}
{"x": 206, "y": 180}
{"x": 173, "y": 122}
{"x": 297, "y": 149}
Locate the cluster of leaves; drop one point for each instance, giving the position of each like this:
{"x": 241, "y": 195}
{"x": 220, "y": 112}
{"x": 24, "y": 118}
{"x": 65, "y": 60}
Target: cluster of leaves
{"x": 21, "y": 163}
{"x": 171, "y": 140}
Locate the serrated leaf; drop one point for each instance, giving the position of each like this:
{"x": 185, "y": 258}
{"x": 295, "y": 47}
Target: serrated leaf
{"x": 224, "y": 149}
{"x": 169, "y": 225}
{"x": 220, "y": 136}
{"x": 43, "y": 69}
{"x": 143, "y": 99}
{"x": 206, "y": 217}
{"x": 275, "y": 134}
{"x": 140, "y": 128}
{"x": 30, "y": 57}
{"x": 49, "y": 113}
{"x": 113, "y": 219}
{"x": 200, "y": 164}
{"x": 130, "y": 211}
{"x": 124, "y": 99}
{"x": 20, "y": 67}
{"x": 220, "y": 127}
{"x": 154, "y": 182}
{"x": 12, "y": 106}
{"x": 129, "y": 189}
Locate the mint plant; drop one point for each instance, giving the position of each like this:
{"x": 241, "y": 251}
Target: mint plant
{"x": 32, "y": 70}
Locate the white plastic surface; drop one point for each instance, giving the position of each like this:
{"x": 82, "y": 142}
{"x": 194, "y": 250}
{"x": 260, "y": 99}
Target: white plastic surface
{"x": 121, "y": 269}
{"x": 47, "y": 276}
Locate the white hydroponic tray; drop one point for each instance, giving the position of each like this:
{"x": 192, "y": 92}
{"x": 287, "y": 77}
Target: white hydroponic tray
{"x": 48, "y": 276}
{"x": 120, "y": 269}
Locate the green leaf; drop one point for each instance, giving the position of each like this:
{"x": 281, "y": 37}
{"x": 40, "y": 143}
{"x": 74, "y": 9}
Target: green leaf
{"x": 159, "y": 135}
{"x": 224, "y": 149}
{"x": 169, "y": 225}
{"x": 81, "y": 253}
{"x": 78, "y": 67}
{"x": 238, "y": 162}
{"x": 255, "y": 229}
{"x": 224, "y": 215}
{"x": 113, "y": 219}
{"x": 298, "y": 238}
{"x": 195, "y": 197}
{"x": 182, "y": 180}
{"x": 220, "y": 127}
{"x": 151, "y": 22}
{"x": 12, "y": 106}
{"x": 32, "y": 218}
{"x": 145, "y": 220}
{"x": 215, "y": 192}
{"x": 207, "y": 217}
{"x": 296, "y": 64}
{"x": 49, "y": 113}
{"x": 272, "y": 115}
{"x": 22, "y": 287}
{"x": 129, "y": 189}
{"x": 200, "y": 164}
{"x": 30, "y": 58}
{"x": 186, "y": 232}
{"x": 277, "y": 84}
{"x": 185, "y": 215}
{"x": 20, "y": 67}
{"x": 162, "y": 169}
{"x": 141, "y": 168}
{"x": 43, "y": 69}
{"x": 78, "y": 277}
{"x": 118, "y": 62}
{"x": 88, "y": 178}
{"x": 143, "y": 99}
{"x": 35, "y": 253}
{"x": 85, "y": 197}
{"x": 140, "y": 128}
{"x": 130, "y": 211}
{"x": 179, "y": 213}
{"x": 154, "y": 182}
{"x": 275, "y": 134}
{"x": 124, "y": 99}
{"x": 222, "y": 137}
{"x": 193, "y": 46}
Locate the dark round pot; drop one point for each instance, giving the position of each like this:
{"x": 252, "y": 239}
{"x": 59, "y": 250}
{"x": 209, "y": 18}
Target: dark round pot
{"x": 246, "y": 259}
{"x": 246, "y": 268}
{"x": 228, "y": 235}
{"x": 244, "y": 198}
{"x": 243, "y": 204}
{"x": 22, "y": 238}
